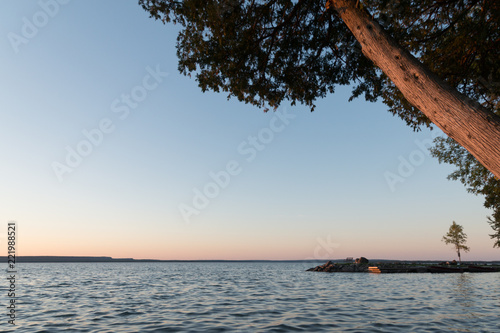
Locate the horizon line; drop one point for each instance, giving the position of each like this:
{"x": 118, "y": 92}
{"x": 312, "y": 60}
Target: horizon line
{"x": 39, "y": 258}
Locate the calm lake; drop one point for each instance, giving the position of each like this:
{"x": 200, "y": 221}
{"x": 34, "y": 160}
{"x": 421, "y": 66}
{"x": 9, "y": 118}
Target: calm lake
{"x": 245, "y": 297}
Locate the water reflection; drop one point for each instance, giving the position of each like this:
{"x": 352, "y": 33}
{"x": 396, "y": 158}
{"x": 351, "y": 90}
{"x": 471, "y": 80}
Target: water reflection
{"x": 464, "y": 291}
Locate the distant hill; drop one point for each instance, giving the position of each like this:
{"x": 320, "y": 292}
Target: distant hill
{"x": 24, "y": 259}
{"x": 29, "y": 259}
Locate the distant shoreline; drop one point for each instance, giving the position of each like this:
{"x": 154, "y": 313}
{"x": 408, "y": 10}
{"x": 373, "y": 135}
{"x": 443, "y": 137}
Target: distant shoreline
{"x": 105, "y": 259}
{"x": 77, "y": 259}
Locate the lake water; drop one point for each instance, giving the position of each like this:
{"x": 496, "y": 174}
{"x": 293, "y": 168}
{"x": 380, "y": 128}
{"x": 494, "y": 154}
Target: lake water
{"x": 245, "y": 297}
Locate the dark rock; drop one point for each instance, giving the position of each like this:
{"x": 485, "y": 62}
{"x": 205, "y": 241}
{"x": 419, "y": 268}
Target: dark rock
{"x": 328, "y": 267}
{"x": 331, "y": 267}
{"x": 361, "y": 260}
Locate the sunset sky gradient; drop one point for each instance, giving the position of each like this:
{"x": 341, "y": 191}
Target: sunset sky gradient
{"x": 307, "y": 185}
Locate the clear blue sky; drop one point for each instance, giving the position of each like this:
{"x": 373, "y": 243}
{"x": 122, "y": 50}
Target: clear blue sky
{"x": 100, "y": 79}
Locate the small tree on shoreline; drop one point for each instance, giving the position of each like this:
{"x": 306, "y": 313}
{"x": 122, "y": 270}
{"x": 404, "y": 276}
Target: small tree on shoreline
{"x": 457, "y": 238}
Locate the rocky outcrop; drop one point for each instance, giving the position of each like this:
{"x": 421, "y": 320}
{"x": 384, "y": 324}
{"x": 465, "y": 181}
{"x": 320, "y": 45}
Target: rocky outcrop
{"x": 361, "y": 260}
{"x": 331, "y": 267}
{"x": 363, "y": 267}
{"x": 400, "y": 267}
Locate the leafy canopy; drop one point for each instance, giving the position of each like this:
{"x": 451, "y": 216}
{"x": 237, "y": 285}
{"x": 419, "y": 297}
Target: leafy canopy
{"x": 263, "y": 52}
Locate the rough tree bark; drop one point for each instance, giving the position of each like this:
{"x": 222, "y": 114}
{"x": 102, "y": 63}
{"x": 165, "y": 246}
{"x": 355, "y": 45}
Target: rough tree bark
{"x": 464, "y": 120}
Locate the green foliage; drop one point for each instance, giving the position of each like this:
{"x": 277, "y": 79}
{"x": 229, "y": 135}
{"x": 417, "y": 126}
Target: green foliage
{"x": 457, "y": 238}
{"x": 495, "y": 225}
{"x": 265, "y": 52}
{"x": 459, "y": 40}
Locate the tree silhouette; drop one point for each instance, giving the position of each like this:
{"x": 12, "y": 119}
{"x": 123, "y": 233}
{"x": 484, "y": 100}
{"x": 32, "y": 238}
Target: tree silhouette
{"x": 457, "y": 238}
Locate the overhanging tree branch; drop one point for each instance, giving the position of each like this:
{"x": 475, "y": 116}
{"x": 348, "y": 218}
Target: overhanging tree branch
{"x": 474, "y": 127}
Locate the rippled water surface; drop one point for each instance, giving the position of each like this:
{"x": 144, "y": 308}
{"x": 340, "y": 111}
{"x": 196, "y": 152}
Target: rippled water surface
{"x": 275, "y": 297}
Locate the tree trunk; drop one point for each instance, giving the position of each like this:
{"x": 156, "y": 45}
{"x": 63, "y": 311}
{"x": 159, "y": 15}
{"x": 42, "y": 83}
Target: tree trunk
{"x": 459, "y": 259}
{"x": 462, "y": 119}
